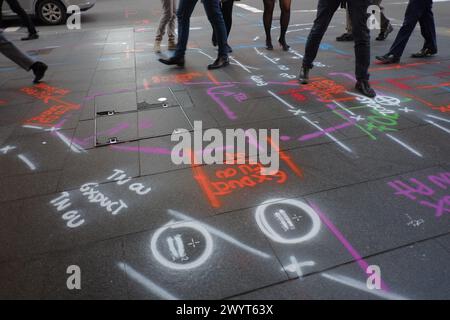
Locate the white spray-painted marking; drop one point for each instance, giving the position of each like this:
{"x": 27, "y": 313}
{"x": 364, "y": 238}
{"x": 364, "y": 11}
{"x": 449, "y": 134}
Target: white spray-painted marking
{"x": 145, "y": 282}
{"x": 27, "y": 161}
{"x": 221, "y": 235}
{"x": 362, "y": 286}
{"x": 408, "y": 147}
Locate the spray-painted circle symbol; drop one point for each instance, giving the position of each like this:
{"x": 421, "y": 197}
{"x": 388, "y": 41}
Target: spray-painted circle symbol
{"x": 267, "y": 229}
{"x": 387, "y": 101}
{"x": 207, "y": 251}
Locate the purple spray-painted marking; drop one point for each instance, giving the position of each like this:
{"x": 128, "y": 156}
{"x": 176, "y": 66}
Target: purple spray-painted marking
{"x": 148, "y": 150}
{"x": 145, "y": 124}
{"x": 86, "y": 141}
{"x": 317, "y": 134}
{"x": 230, "y": 114}
{"x": 163, "y": 151}
{"x": 359, "y": 259}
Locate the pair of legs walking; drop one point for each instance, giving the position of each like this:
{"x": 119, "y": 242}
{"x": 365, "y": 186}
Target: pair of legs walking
{"x": 167, "y": 22}
{"x": 215, "y": 17}
{"x": 417, "y": 11}
{"x": 269, "y": 6}
{"x": 358, "y": 16}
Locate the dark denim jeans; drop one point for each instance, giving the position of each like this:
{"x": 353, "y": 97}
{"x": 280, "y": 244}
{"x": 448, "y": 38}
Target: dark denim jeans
{"x": 358, "y": 15}
{"x": 215, "y": 17}
{"x": 416, "y": 11}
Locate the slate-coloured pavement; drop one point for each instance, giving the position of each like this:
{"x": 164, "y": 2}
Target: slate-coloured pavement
{"x": 357, "y": 186}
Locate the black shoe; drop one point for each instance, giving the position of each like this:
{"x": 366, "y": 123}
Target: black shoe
{"x": 363, "y": 87}
{"x": 219, "y": 63}
{"x": 214, "y": 41}
{"x": 39, "y": 69}
{"x": 284, "y": 45}
{"x": 173, "y": 61}
{"x": 269, "y": 45}
{"x": 384, "y": 34}
{"x": 345, "y": 37}
{"x": 31, "y": 36}
{"x": 304, "y": 75}
{"x": 424, "y": 53}
{"x": 230, "y": 50}
{"x": 388, "y": 59}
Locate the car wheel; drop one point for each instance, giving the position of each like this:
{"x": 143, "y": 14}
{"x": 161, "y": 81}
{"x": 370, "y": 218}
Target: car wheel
{"x": 51, "y": 12}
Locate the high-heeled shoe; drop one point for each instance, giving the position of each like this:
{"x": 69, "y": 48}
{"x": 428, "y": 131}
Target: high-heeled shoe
{"x": 284, "y": 45}
{"x": 269, "y": 45}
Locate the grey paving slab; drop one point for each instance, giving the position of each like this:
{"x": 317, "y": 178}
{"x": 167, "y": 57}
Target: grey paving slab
{"x": 100, "y": 277}
{"x": 375, "y": 212}
{"x": 22, "y": 281}
{"x": 116, "y": 128}
{"x": 41, "y": 152}
{"x": 95, "y": 165}
{"x": 161, "y": 122}
{"x": 28, "y": 185}
{"x": 356, "y": 185}
{"x": 400, "y": 270}
{"x": 444, "y": 241}
{"x": 223, "y": 255}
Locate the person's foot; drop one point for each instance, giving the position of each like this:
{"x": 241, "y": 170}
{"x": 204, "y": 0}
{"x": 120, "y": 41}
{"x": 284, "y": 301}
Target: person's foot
{"x": 284, "y": 45}
{"x": 384, "y": 34}
{"x": 230, "y": 49}
{"x": 269, "y": 45}
{"x": 214, "y": 41}
{"x": 363, "y": 86}
{"x": 345, "y": 37}
{"x": 157, "y": 46}
{"x": 172, "y": 45}
{"x": 304, "y": 75}
{"x": 39, "y": 69}
{"x": 31, "y": 36}
{"x": 179, "y": 61}
{"x": 388, "y": 59}
{"x": 424, "y": 53}
{"x": 220, "y": 62}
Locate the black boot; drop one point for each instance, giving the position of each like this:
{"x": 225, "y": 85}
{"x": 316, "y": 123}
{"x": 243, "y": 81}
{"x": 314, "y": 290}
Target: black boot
{"x": 388, "y": 59}
{"x": 31, "y": 36}
{"x": 424, "y": 53}
{"x": 363, "y": 86}
{"x": 179, "y": 61}
{"x": 219, "y": 63}
{"x": 345, "y": 37}
{"x": 284, "y": 45}
{"x": 304, "y": 75}
{"x": 39, "y": 69}
{"x": 384, "y": 34}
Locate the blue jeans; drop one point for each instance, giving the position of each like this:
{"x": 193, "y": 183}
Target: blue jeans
{"x": 416, "y": 11}
{"x": 358, "y": 15}
{"x": 215, "y": 17}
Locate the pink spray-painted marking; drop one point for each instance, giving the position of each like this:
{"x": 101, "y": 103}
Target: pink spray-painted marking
{"x": 335, "y": 231}
{"x": 230, "y": 114}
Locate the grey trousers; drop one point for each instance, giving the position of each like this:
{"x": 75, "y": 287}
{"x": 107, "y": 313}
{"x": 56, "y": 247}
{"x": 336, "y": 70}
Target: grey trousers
{"x": 169, "y": 14}
{"x": 9, "y": 50}
{"x": 384, "y": 20}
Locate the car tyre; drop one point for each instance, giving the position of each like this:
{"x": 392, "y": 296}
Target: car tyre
{"x": 51, "y": 12}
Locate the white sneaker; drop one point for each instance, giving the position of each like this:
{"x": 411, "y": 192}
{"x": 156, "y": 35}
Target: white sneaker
{"x": 157, "y": 47}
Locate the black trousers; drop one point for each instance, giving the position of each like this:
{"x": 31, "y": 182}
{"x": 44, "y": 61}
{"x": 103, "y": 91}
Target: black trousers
{"x": 227, "y": 12}
{"x": 416, "y": 11}
{"x": 17, "y": 9}
{"x": 358, "y": 15}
